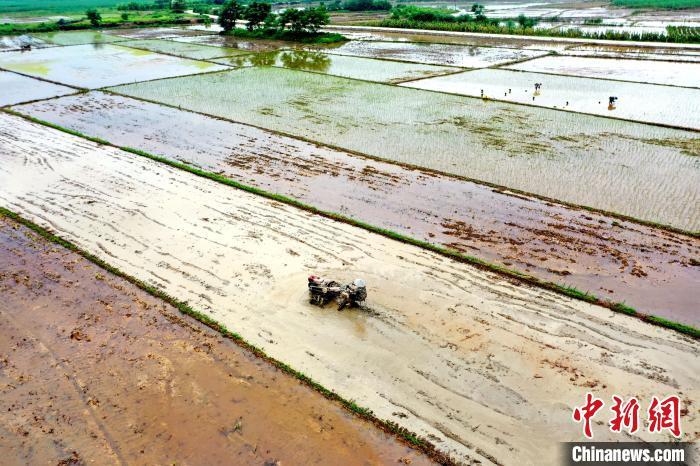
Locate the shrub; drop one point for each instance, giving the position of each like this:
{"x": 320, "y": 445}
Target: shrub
{"x": 94, "y": 17}
{"x": 178, "y": 6}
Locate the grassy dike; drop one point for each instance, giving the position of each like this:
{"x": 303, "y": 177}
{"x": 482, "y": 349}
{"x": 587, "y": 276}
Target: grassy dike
{"x": 570, "y": 292}
{"x": 406, "y": 436}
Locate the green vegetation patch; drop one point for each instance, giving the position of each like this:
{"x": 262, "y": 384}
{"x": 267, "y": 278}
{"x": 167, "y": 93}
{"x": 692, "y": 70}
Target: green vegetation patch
{"x": 658, "y": 4}
{"x": 293, "y": 36}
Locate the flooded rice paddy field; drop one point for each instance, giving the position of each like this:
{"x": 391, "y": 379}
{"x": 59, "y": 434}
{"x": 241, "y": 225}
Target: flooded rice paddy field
{"x": 340, "y": 65}
{"x": 96, "y": 371}
{"x": 434, "y": 54}
{"x": 153, "y": 33}
{"x": 644, "y": 53}
{"x": 182, "y": 49}
{"x": 485, "y": 40}
{"x": 231, "y": 42}
{"x": 94, "y": 65}
{"x": 76, "y": 37}
{"x": 542, "y": 151}
{"x": 481, "y": 358}
{"x": 646, "y": 268}
{"x": 17, "y": 88}
{"x": 643, "y": 71}
{"x": 650, "y": 103}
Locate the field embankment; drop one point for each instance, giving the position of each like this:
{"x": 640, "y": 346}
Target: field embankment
{"x": 461, "y": 356}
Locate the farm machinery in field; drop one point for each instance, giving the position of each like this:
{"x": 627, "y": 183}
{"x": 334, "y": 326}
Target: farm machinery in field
{"x": 322, "y": 291}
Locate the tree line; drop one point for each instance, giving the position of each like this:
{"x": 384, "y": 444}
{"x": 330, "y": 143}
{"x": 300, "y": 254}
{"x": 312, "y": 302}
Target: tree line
{"x": 259, "y": 17}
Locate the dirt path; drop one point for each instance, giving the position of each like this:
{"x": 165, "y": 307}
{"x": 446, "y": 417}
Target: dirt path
{"x": 92, "y": 368}
{"x": 647, "y": 268}
{"x": 458, "y": 355}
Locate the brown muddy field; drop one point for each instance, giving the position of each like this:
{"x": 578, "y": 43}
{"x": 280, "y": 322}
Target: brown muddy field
{"x": 461, "y": 356}
{"x": 650, "y": 269}
{"x": 94, "y": 370}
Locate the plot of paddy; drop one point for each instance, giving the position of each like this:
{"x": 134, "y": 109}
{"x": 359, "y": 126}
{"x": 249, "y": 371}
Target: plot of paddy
{"x": 547, "y": 152}
{"x": 645, "y": 53}
{"x": 93, "y": 66}
{"x": 8, "y": 43}
{"x": 340, "y": 65}
{"x": 643, "y": 71}
{"x": 153, "y": 33}
{"x": 481, "y": 359}
{"x": 181, "y": 49}
{"x": 17, "y": 88}
{"x": 76, "y": 37}
{"x": 111, "y": 375}
{"x": 244, "y": 45}
{"x": 643, "y": 267}
{"x": 434, "y": 54}
{"x": 640, "y": 102}
{"x": 442, "y": 37}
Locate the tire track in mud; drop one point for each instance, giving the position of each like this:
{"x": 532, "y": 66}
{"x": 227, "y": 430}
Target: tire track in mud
{"x": 455, "y": 324}
{"x": 649, "y": 269}
{"x": 91, "y": 365}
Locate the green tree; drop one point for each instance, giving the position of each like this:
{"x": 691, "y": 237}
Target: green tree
{"x": 315, "y": 18}
{"x": 94, "y": 17}
{"x": 125, "y": 16}
{"x": 290, "y": 19}
{"x": 230, "y": 13}
{"x": 478, "y": 11}
{"x": 178, "y": 6}
{"x": 256, "y": 13}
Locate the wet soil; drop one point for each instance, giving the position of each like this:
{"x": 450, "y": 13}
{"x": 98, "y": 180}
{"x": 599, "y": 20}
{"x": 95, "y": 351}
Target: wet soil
{"x": 94, "y": 370}
{"x": 463, "y": 357}
{"x": 153, "y": 33}
{"x": 652, "y": 270}
{"x": 433, "y": 54}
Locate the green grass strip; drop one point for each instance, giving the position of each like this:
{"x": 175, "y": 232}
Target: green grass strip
{"x": 568, "y": 291}
{"x": 411, "y": 438}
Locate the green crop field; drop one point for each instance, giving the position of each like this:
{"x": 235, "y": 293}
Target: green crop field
{"x": 34, "y": 7}
{"x": 659, "y": 4}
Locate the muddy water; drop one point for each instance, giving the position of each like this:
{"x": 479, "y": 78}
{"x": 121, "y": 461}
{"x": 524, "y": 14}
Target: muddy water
{"x": 17, "y": 88}
{"x": 547, "y": 152}
{"x": 433, "y": 54}
{"x": 339, "y": 65}
{"x": 182, "y": 49}
{"x": 650, "y": 103}
{"x": 644, "y": 267}
{"x": 481, "y": 362}
{"x": 93, "y": 66}
{"x": 642, "y": 71}
{"x": 97, "y": 370}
